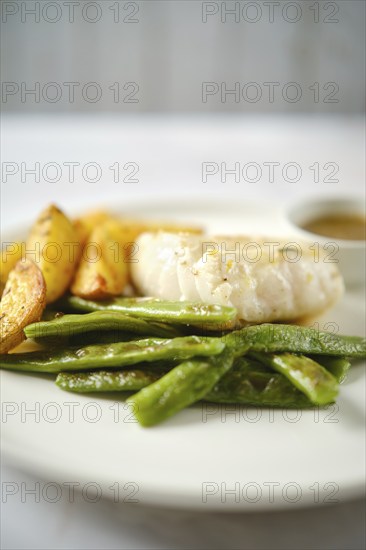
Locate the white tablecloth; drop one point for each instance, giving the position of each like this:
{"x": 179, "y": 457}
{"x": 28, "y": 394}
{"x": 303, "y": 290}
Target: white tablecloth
{"x": 169, "y": 152}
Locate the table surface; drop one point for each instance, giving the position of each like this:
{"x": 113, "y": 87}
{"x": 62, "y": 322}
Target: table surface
{"x": 169, "y": 153}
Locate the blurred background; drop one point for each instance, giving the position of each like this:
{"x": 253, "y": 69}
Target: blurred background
{"x": 169, "y": 48}
{"x": 149, "y": 92}
{"x": 143, "y": 94}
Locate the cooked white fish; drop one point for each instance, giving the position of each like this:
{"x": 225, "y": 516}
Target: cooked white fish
{"x": 264, "y": 281}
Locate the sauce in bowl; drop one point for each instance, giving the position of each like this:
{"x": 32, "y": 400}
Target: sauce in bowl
{"x": 338, "y": 226}
{"x": 339, "y": 219}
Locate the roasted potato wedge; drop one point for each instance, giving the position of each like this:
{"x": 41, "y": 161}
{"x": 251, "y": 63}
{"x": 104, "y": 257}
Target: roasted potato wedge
{"x": 54, "y": 244}
{"x": 10, "y": 255}
{"x": 129, "y": 228}
{"x": 22, "y": 303}
{"x": 102, "y": 271}
{"x": 86, "y": 223}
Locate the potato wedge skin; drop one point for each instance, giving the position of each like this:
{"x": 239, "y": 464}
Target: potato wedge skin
{"x": 10, "y": 255}
{"x": 106, "y": 274}
{"x": 22, "y": 303}
{"x": 57, "y": 240}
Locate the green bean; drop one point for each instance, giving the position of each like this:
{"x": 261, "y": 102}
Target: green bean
{"x": 92, "y": 338}
{"x": 249, "y": 383}
{"x": 182, "y": 386}
{"x": 70, "y": 325}
{"x": 338, "y": 366}
{"x": 273, "y": 338}
{"x": 116, "y": 355}
{"x": 152, "y": 309}
{"x": 305, "y": 374}
{"x": 107, "y": 381}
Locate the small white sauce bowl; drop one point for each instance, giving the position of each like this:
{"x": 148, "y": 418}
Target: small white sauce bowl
{"x": 351, "y": 254}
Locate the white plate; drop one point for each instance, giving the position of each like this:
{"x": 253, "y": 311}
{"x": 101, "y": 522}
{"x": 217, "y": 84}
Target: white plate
{"x": 207, "y": 457}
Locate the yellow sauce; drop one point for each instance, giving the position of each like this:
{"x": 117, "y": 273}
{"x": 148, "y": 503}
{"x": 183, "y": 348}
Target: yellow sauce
{"x": 339, "y": 226}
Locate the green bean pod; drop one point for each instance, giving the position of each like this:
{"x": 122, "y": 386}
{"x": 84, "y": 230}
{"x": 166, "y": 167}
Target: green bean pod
{"x": 182, "y": 386}
{"x": 337, "y": 366}
{"x": 67, "y": 326}
{"x": 316, "y": 382}
{"x": 250, "y": 383}
{"x": 107, "y": 381}
{"x": 152, "y": 309}
{"x": 115, "y": 355}
{"x": 273, "y": 338}
{"x": 247, "y": 383}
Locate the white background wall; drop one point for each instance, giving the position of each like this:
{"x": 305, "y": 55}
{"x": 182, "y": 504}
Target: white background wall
{"x": 169, "y": 51}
